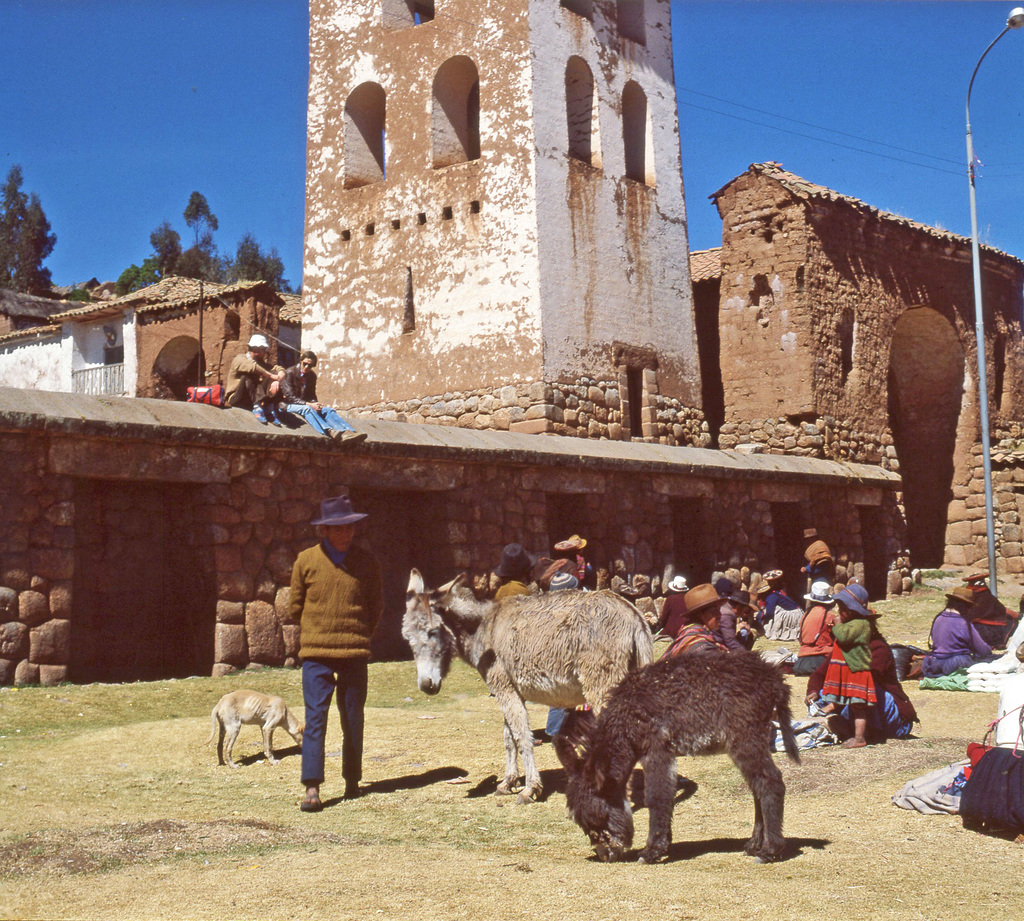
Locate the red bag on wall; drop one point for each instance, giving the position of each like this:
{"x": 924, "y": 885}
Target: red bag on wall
{"x": 213, "y": 395}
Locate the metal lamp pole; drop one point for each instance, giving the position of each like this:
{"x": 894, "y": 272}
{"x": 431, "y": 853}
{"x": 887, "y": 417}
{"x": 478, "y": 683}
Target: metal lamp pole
{"x": 1015, "y": 21}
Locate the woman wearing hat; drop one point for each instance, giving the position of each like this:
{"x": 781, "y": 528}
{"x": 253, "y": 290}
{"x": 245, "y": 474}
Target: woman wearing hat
{"x": 736, "y": 623}
{"x": 815, "y": 630}
{"x": 774, "y": 603}
{"x": 893, "y": 715}
{"x": 514, "y": 571}
{"x": 336, "y": 599}
{"x": 848, "y": 680}
{"x": 955, "y": 641}
{"x": 572, "y": 549}
{"x": 673, "y": 613}
{"x": 698, "y": 636}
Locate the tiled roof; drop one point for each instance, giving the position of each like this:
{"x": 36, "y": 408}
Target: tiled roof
{"x": 291, "y": 312}
{"x": 801, "y": 188}
{"x": 166, "y": 294}
{"x": 16, "y": 304}
{"x": 32, "y": 332}
{"x": 706, "y": 264}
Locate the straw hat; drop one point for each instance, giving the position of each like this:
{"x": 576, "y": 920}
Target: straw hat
{"x": 573, "y": 543}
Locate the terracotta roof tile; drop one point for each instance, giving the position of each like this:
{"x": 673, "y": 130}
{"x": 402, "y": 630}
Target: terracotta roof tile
{"x": 31, "y": 333}
{"x": 706, "y": 264}
{"x": 291, "y": 312}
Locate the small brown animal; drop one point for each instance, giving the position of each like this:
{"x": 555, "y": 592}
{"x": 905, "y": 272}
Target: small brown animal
{"x": 251, "y": 707}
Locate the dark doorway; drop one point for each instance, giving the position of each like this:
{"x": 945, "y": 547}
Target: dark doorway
{"x": 145, "y": 598}
{"x": 712, "y": 391}
{"x": 789, "y": 546}
{"x": 635, "y": 401}
{"x": 873, "y": 550}
{"x": 404, "y": 529}
{"x": 693, "y": 540}
{"x": 566, "y": 516}
{"x": 926, "y": 381}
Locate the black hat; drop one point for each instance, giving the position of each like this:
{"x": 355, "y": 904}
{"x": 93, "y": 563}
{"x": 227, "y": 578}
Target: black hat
{"x": 515, "y": 562}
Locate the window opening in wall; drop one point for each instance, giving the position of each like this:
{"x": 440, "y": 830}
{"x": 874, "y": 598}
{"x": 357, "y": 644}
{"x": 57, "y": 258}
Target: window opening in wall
{"x": 637, "y": 134}
{"x": 634, "y": 401}
{"x": 581, "y": 112}
{"x": 421, "y": 218}
{"x": 846, "y": 333}
{"x": 232, "y": 326}
{"x": 446, "y": 213}
{"x": 409, "y": 317}
{"x": 584, "y": 8}
{"x": 364, "y": 136}
{"x": 396, "y": 224}
{"x": 474, "y": 207}
{"x": 370, "y": 228}
{"x": 763, "y": 298}
{"x": 402, "y": 14}
{"x": 455, "y": 114}
{"x": 346, "y": 235}
{"x": 800, "y": 279}
{"x": 998, "y": 371}
{"x": 629, "y": 16}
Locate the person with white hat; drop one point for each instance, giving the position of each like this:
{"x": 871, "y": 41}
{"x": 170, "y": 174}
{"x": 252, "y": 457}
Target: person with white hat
{"x": 816, "y": 630}
{"x": 673, "y": 614}
{"x": 252, "y": 383}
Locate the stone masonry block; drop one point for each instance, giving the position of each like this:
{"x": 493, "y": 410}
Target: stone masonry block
{"x": 50, "y": 643}
{"x": 230, "y": 645}
{"x": 33, "y": 608}
{"x": 14, "y": 640}
{"x": 263, "y": 633}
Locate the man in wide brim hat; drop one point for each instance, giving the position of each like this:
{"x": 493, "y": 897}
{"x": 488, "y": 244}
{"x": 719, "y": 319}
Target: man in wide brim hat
{"x": 337, "y": 599}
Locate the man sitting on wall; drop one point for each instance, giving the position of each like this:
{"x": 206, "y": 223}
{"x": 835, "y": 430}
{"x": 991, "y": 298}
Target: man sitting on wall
{"x": 298, "y": 390}
{"x": 252, "y": 383}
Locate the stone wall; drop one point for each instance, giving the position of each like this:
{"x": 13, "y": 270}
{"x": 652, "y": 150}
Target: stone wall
{"x": 584, "y": 408}
{"x": 140, "y": 542}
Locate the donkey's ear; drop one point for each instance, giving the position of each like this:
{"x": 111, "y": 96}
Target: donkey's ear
{"x": 416, "y": 582}
{"x": 461, "y": 579}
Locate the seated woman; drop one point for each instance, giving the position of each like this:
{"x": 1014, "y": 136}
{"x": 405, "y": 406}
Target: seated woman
{"x": 736, "y": 622}
{"x": 955, "y": 641}
{"x": 816, "y": 630}
{"x": 698, "y": 636}
{"x": 893, "y": 714}
{"x": 673, "y": 614}
{"x": 779, "y": 617}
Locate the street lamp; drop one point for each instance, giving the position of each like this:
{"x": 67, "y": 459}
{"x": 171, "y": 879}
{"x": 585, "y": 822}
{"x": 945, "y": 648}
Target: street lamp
{"x": 1015, "y": 21}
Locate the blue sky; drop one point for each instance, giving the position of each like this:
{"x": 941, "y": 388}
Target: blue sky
{"x": 116, "y": 111}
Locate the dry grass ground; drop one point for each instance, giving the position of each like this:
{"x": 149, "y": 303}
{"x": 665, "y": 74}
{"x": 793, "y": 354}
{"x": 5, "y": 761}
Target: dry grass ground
{"x": 112, "y": 807}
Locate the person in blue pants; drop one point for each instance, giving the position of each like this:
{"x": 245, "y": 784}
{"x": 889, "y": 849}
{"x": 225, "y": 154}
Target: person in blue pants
{"x": 298, "y": 396}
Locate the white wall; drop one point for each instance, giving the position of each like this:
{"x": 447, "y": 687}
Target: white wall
{"x": 34, "y": 364}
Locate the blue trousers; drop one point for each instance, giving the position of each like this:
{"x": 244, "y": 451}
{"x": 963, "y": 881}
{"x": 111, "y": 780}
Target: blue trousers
{"x": 319, "y": 679}
{"x": 321, "y": 421}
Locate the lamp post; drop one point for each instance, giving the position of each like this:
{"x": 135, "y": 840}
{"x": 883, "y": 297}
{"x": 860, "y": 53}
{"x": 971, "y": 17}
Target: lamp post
{"x": 1015, "y": 21}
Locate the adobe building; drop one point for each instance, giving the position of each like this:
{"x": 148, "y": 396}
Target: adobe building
{"x": 495, "y": 225}
{"x": 147, "y": 539}
{"x": 864, "y": 323}
{"x": 148, "y": 343}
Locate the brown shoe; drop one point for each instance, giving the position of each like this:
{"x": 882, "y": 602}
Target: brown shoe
{"x": 353, "y": 438}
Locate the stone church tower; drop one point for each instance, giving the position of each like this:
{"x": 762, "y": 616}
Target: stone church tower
{"x": 495, "y": 225}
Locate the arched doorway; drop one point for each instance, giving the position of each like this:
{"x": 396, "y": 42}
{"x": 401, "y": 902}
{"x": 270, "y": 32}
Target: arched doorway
{"x": 926, "y": 382}
{"x": 176, "y": 368}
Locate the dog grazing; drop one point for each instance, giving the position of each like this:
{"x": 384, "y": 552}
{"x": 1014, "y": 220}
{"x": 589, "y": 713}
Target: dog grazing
{"x": 685, "y": 705}
{"x": 249, "y": 708}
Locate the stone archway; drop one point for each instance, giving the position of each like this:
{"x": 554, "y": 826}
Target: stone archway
{"x": 176, "y": 368}
{"x": 926, "y": 383}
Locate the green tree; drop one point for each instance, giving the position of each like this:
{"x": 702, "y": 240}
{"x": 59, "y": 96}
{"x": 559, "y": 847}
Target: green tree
{"x": 25, "y": 237}
{"x": 200, "y": 260}
{"x": 166, "y": 243}
{"x": 252, "y": 264}
{"x": 138, "y": 276}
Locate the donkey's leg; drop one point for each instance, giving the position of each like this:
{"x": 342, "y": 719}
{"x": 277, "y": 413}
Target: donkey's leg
{"x": 659, "y": 795}
{"x": 517, "y": 723}
{"x": 769, "y": 790}
{"x": 511, "y": 781}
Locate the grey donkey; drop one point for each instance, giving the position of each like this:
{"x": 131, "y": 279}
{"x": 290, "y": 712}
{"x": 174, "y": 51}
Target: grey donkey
{"x": 562, "y": 650}
{"x": 686, "y": 705}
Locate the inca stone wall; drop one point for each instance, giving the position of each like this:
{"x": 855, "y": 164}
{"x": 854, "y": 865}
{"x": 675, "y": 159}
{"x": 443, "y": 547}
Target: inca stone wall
{"x": 148, "y": 538}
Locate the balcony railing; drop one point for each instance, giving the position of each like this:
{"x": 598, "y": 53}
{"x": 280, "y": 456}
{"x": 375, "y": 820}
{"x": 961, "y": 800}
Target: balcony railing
{"x": 106, "y": 379}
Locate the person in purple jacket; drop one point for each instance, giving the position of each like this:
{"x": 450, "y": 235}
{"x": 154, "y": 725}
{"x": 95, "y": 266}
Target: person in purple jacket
{"x": 955, "y": 641}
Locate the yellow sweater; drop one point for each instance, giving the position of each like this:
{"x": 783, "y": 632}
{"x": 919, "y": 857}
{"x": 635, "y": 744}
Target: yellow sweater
{"x": 338, "y": 608}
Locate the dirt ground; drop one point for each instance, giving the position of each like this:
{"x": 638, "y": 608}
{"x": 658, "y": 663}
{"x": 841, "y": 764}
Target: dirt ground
{"x": 113, "y": 807}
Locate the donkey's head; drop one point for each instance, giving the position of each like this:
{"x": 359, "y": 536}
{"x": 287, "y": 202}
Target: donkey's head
{"x": 595, "y": 802}
{"x": 431, "y": 641}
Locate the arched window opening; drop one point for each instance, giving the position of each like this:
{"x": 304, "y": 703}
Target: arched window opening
{"x": 629, "y": 16}
{"x": 637, "y": 134}
{"x": 364, "y": 136}
{"x": 584, "y": 8}
{"x": 402, "y": 14}
{"x": 845, "y": 335}
{"x": 998, "y": 371}
{"x": 581, "y": 113}
{"x": 455, "y": 114}
{"x": 232, "y": 326}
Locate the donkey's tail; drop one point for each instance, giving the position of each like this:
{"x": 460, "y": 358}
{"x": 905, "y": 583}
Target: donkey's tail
{"x": 643, "y": 641}
{"x": 785, "y": 719}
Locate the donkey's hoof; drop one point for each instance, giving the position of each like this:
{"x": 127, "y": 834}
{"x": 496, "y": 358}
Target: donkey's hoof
{"x": 648, "y": 856}
{"x": 524, "y": 799}
{"x": 504, "y": 789}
